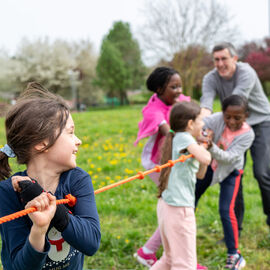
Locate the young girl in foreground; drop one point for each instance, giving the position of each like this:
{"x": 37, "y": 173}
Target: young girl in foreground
{"x": 176, "y": 194}
{"x": 40, "y": 133}
{"x": 166, "y": 84}
{"x": 232, "y": 138}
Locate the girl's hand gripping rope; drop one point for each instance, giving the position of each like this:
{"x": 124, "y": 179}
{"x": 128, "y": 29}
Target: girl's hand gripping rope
{"x": 30, "y": 189}
{"x": 45, "y": 204}
{"x": 206, "y": 138}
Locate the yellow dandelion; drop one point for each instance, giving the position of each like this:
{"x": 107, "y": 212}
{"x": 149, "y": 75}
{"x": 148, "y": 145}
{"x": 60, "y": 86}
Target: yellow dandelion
{"x": 127, "y": 241}
{"x": 99, "y": 169}
{"x": 113, "y": 162}
{"x": 110, "y": 146}
{"x": 118, "y": 177}
{"x": 92, "y": 166}
{"x": 99, "y": 157}
{"x": 128, "y": 171}
{"x": 118, "y": 236}
{"x": 85, "y": 145}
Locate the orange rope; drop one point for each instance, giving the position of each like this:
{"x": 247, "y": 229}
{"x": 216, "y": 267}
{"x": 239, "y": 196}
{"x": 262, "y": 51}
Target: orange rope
{"x": 71, "y": 200}
{"x": 140, "y": 175}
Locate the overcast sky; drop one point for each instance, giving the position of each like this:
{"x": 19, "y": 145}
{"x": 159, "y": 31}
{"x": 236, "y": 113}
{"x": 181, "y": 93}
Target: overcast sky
{"x": 92, "y": 19}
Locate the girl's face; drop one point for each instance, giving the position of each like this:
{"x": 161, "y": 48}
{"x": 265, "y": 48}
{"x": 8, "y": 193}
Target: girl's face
{"x": 62, "y": 154}
{"x": 197, "y": 126}
{"x": 172, "y": 91}
{"x": 234, "y": 117}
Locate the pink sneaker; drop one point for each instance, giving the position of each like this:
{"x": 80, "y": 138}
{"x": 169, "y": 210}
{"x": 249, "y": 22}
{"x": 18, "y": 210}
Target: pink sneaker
{"x": 145, "y": 259}
{"x": 201, "y": 267}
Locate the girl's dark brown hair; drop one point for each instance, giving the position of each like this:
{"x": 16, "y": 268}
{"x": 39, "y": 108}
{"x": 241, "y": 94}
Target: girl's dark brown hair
{"x": 180, "y": 114}
{"x": 38, "y": 115}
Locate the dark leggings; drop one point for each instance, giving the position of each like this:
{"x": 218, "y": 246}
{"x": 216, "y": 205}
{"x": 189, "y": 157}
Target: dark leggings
{"x": 229, "y": 189}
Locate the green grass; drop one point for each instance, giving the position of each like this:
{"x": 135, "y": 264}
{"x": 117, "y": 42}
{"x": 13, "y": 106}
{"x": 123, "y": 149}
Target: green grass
{"x": 128, "y": 212}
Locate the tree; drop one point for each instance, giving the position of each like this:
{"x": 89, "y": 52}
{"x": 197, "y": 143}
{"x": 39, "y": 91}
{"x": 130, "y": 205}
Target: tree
{"x": 48, "y": 64}
{"x": 86, "y": 62}
{"x": 193, "y": 63}
{"x": 119, "y": 48}
{"x": 59, "y": 66}
{"x": 172, "y": 26}
{"x": 111, "y": 71}
{"x": 182, "y": 32}
{"x": 7, "y": 67}
{"x": 258, "y": 56}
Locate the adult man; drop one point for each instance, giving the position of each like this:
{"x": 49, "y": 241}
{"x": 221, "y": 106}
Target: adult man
{"x": 232, "y": 77}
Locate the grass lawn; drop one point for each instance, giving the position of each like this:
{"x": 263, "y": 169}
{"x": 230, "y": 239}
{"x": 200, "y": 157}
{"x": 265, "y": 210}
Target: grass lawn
{"x": 128, "y": 212}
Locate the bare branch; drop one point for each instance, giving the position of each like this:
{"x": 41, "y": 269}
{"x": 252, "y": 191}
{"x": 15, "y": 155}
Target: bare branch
{"x": 173, "y": 25}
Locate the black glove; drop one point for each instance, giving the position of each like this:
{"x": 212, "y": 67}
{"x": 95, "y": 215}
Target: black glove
{"x": 29, "y": 190}
{"x": 61, "y": 218}
{"x": 32, "y": 189}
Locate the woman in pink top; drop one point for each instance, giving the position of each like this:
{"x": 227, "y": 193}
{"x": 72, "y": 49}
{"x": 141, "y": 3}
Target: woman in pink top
{"x": 166, "y": 84}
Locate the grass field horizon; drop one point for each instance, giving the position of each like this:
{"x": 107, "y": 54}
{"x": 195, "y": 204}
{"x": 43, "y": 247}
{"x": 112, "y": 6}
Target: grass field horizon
{"x": 128, "y": 212}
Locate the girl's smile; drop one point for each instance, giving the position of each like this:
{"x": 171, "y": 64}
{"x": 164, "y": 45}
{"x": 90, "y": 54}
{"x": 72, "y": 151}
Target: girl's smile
{"x": 63, "y": 152}
{"x": 171, "y": 93}
{"x": 234, "y": 117}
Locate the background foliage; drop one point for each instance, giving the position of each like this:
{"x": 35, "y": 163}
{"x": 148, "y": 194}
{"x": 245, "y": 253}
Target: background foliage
{"x": 119, "y": 66}
{"x": 181, "y": 37}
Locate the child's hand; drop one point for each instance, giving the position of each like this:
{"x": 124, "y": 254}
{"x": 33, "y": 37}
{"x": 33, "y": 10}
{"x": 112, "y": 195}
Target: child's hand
{"x": 209, "y": 134}
{"x": 46, "y": 207}
{"x": 15, "y": 181}
{"x": 205, "y": 139}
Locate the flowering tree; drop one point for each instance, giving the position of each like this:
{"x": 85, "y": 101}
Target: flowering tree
{"x": 59, "y": 66}
{"x": 258, "y": 56}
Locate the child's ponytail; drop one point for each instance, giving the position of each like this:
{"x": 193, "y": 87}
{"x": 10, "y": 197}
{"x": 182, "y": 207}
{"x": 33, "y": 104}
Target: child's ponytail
{"x": 5, "y": 170}
{"x": 166, "y": 155}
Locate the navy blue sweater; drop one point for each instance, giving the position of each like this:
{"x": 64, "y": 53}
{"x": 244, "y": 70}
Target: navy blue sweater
{"x": 62, "y": 250}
